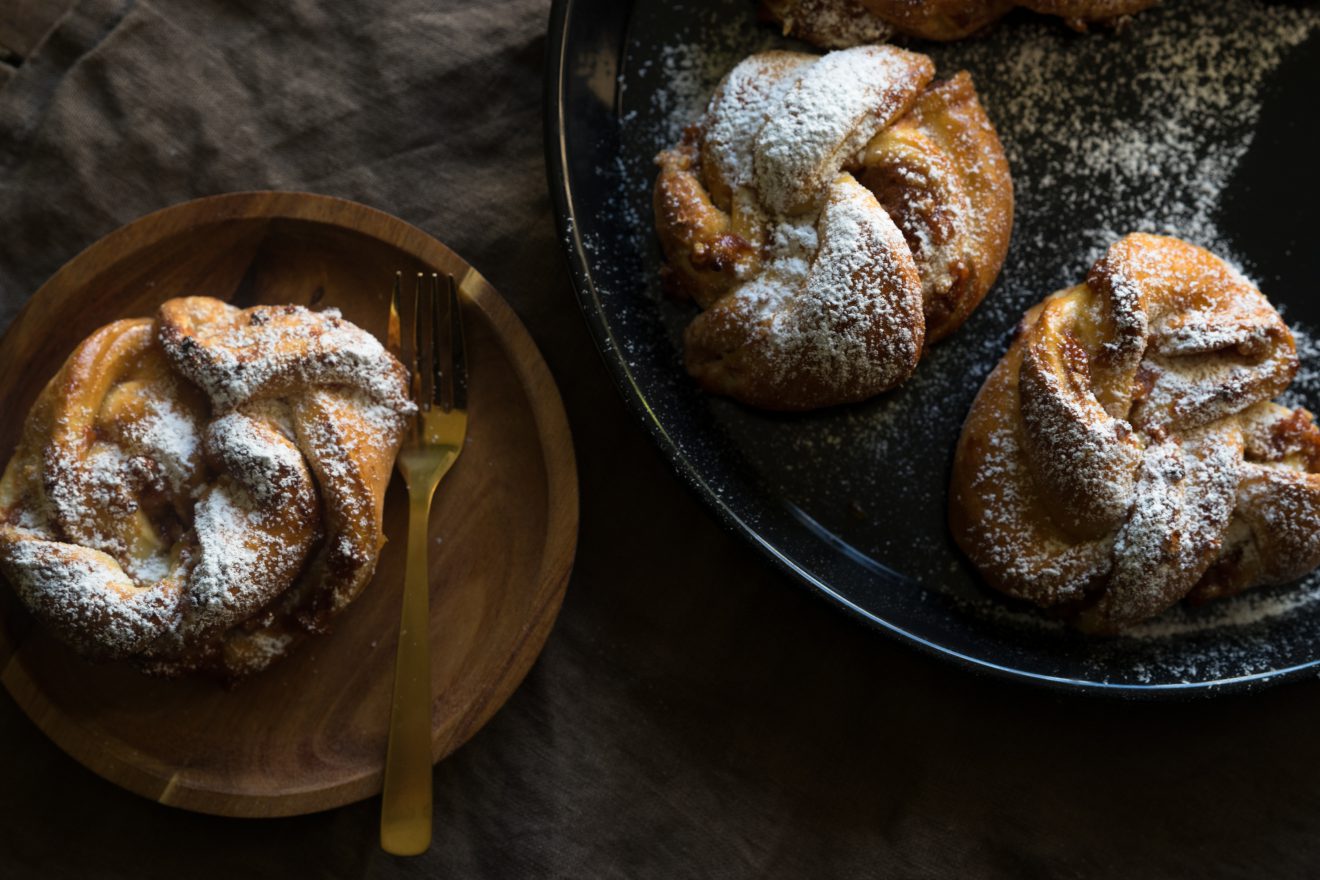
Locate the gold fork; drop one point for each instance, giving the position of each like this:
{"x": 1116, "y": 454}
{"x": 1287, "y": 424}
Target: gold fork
{"x": 439, "y": 388}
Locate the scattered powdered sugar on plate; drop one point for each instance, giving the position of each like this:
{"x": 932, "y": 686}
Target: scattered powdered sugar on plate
{"x": 1143, "y": 130}
{"x": 1160, "y": 165}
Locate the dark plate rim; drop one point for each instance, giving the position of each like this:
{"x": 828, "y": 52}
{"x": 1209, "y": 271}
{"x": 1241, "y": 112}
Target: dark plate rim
{"x": 602, "y": 334}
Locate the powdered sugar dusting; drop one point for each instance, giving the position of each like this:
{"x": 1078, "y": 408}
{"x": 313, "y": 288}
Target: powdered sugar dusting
{"x": 850, "y": 330}
{"x": 168, "y": 437}
{"x": 836, "y": 105}
{"x": 751, "y": 92}
{"x": 1183, "y": 499}
{"x": 256, "y": 447}
{"x": 233, "y": 549}
{"x": 89, "y": 591}
{"x": 1162, "y": 164}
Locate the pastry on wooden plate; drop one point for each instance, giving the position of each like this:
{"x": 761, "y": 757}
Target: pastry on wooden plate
{"x": 198, "y": 490}
{"x": 836, "y": 24}
{"x": 832, "y": 216}
{"x": 1125, "y": 454}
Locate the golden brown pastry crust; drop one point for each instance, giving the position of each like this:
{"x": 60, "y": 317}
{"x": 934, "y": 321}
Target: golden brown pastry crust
{"x": 839, "y": 23}
{"x": 832, "y": 216}
{"x": 1124, "y": 453}
{"x": 941, "y": 174}
{"x": 197, "y": 491}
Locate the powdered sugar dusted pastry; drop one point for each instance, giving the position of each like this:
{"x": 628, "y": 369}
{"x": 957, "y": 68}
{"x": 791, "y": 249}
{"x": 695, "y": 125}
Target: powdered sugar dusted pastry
{"x": 832, "y": 215}
{"x": 835, "y": 24}
{"x": 1125, "y": 453}
{"x": 198, "y": 490}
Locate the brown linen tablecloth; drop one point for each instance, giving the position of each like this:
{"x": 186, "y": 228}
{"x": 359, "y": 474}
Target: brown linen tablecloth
{"x": 694, "y": 714}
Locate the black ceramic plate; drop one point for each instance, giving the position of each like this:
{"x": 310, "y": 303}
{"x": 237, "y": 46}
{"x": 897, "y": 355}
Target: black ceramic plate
{"x": 1193, "y": 121}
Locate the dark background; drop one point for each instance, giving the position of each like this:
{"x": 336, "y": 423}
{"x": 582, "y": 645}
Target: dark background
{"x": 694, "y": 712}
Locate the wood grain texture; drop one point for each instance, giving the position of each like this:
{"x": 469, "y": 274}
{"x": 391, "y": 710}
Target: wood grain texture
{"x": 309, "y": 734}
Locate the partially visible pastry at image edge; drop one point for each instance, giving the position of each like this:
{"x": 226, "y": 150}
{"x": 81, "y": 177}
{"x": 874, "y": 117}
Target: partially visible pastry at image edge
{"x": 832, "y": 216}
{"x": 834, "y": 24}
{"x": 199, "y": 490}
{"x": 1126, "y": 453}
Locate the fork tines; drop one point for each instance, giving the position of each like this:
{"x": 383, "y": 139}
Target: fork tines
{"x": 435, "y": 354}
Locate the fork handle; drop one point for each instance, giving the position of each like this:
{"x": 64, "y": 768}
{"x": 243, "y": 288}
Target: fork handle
{"x": 405, "y": 815}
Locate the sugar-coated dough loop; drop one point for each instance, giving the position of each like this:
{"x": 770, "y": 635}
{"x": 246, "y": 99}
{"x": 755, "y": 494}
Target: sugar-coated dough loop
{"x": 740, "y": 107}
{"x": 826, "y": 116}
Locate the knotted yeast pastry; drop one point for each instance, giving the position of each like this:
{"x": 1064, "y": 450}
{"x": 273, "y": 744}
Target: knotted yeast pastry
{"x": 1125, "y": 454}
{"x": 198, "y": 490}
{"x": 833, "y": 216}
{"x": 839, "y": 23}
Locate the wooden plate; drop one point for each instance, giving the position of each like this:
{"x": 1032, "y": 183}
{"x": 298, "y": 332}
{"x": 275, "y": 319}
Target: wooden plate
{"x": 309, "y": 733}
